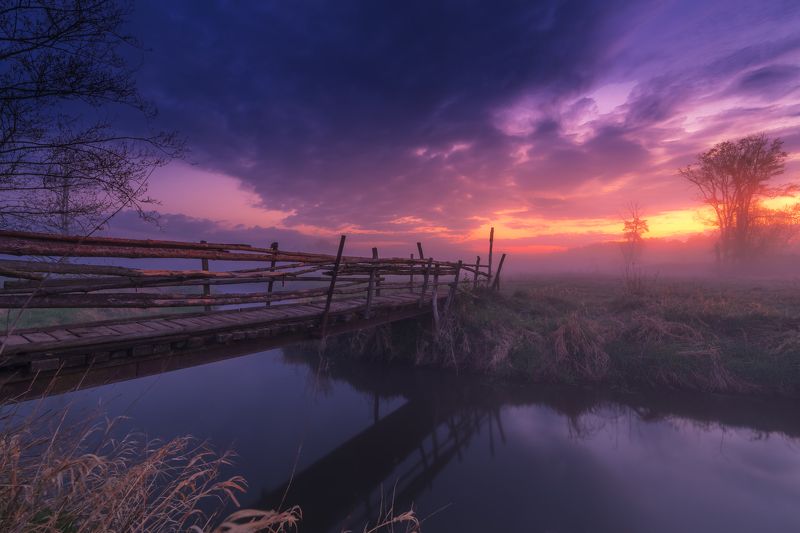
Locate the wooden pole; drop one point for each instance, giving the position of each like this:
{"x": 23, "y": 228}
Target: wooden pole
{"x": 274, "y": 247}
{"x": 206, "y": 286}
{"x": 419, "y": 249}
{"x": 425, "y": 281}
{"x": 377, "y": 273}
{"x": 334, "y": 273}
{"x": 370, "y": 289}
{"x": 411, "y": 275}
{"x": 477, "y": 269}
{"x": 496, "y": 285}
{"x": 435, "y": 299}
{"x": 453, "y": 288}
{"x": 491, "y": 246}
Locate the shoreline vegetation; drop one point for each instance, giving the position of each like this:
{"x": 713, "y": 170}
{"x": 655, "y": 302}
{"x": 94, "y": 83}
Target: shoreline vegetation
{"x": 718, "y": 336}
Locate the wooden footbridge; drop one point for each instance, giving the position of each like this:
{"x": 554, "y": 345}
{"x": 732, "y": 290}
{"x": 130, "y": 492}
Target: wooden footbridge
{"x": 175, "y": 311}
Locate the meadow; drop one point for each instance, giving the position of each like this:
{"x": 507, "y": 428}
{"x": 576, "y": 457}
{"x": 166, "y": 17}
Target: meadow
{"x": 728, "y": 336}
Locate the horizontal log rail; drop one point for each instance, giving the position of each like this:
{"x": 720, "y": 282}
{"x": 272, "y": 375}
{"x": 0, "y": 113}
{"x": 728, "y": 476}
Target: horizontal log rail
{"x": 40, "y": 271}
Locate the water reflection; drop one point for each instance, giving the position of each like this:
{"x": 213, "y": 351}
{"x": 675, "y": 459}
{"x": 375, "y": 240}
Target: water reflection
{"x": 476, "y": 455}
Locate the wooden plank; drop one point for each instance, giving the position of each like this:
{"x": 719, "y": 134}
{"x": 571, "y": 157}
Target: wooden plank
{"x": 92, "y": 331}
{"x": 131, "y": 328}
{"x": 13, "y": 340}
{"x": 61, "y": 334}
{"x": 39, "y": 337}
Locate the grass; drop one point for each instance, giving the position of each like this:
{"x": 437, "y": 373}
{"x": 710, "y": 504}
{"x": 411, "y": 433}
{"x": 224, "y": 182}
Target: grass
{"x": 61, "y": 474}
{"x": 691, "y": 334}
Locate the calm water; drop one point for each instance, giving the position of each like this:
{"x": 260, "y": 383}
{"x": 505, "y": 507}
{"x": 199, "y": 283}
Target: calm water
{"x": 476, "y": 456}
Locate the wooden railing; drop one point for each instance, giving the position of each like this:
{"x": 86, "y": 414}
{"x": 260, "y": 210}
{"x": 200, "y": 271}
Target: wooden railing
{"x": 50, "y": 276}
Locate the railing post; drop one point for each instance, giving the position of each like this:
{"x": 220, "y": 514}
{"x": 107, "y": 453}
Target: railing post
{"x": 435, "y": 299}
{"x": 425, "y": 281}
{"x": 419, "y": 249}
{"x": 377, "y": 273}
{"x": 496, "y": 285}
{"x": 477, "y": 269}
{"x": 411, "y": 275}
{"x": 206, "y": 286}
{"x": 491, "y": 246}
{"x": 371, "y": 286}
{"x": 453, "y": 288}
{"x": 334, "y": 273}
{"x": 274, "y": 247}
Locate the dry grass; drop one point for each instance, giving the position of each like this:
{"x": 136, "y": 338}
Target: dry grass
{"x": 577, "y": 343}
{"x": 56, "y": 475}
{"x": 254, "y": 520}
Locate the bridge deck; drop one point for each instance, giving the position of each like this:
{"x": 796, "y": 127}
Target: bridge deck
{"x": 55, "y": 348}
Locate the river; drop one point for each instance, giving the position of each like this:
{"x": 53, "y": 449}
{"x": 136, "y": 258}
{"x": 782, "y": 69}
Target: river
{"x": 474, "y": 455}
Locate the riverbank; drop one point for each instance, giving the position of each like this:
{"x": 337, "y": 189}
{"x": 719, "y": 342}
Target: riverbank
{"x": 705, "y": 335}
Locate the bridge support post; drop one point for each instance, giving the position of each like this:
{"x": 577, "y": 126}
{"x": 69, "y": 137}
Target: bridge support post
{"x": 411, "y": 276}
{"x": 274, "y": 247}
{"x": 491, "y": 246}
{"x": 206, "y": 286}
{"x": 435, "y": 298}
{"x": 496, "y": 285}
{"x": 453, "y": 288}
{"x": 425, "y": 277}
{"x": 334, "y": 273}
{"x": 377, "y": 273}
{"x": 370, "y": 291}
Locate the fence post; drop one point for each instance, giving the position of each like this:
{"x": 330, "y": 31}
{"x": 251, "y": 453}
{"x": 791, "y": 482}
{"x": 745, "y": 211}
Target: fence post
{"x": 411, "y": 275}
{"x": 334, "y": 273}
{"x": 419, "y": 249}
{"x": 453, "y": 288}
{"x": 206, "y": 286}
{"x": 377, "y": 273}
{"x": 425, "y": 281}
{"x": 435, "y": 299}
{"x": 477, "y": 269}
{"x": 491, "y": 246}
{"x": 370, "y": 288}
{"x": 496, "y": 285}
{"x": 274, "y": 247}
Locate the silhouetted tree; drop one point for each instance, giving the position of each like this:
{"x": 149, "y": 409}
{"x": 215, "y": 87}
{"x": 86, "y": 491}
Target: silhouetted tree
{"x": 633, "y": 230}
{"x": 62, "y": 164}
{"x": 733, "y": 178}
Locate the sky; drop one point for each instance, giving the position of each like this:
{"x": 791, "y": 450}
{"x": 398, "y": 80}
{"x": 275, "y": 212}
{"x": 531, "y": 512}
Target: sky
{"x": 399, "y": 121}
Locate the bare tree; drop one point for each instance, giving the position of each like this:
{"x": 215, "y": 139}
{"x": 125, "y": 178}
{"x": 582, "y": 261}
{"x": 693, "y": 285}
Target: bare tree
{"x": 633, "y": 230}
{"x": 63, "y": 74}
{"x": 733, "y": 178}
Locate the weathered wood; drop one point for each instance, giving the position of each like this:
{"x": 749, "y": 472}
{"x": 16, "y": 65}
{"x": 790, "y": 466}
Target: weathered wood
{"x": 477, "y": 268}
{"x": 496, "y": 285}
{"x": 206, "y": 286}
{"x": 491, "y": 249}
{"x": 377, "y": 273}
{"x": 324, "y": 322}
{"x": 434, "y": 299}
{"x": 451, "y": 294}
{"x": 419, "y": 249}
{"x": 274, "y": 247}
{"x": 411, "y": 275}
{"x": 425, "y": 277}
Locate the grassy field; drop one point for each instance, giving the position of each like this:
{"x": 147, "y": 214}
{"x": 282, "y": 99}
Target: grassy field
{"x": 695, "y": 334}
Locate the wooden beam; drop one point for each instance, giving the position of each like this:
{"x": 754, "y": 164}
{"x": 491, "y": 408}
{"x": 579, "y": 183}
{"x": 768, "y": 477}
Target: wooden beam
{"x": 496, "y": 285}
{"x": 477, "y": 268}
{"x": 335, "y": 272}
{"x": 274, "y": 247}
{"x": 425, "y": 277}
{"x": 206, "y": 286}
{"x": 435, "y": 299}
{"x": 419, "y": 249}
{"x": 491, "y": 246}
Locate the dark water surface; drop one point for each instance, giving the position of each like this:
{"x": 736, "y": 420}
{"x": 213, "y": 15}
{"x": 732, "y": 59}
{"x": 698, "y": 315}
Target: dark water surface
{"x": 472, "y": 455}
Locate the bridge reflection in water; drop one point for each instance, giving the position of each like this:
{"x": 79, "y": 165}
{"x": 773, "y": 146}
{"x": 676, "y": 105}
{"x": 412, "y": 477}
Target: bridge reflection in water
{"x": 390, "y": 462}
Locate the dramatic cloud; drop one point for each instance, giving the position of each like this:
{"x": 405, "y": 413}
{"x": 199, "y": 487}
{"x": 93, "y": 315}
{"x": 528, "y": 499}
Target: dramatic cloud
{"x": 396, "y": 119}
